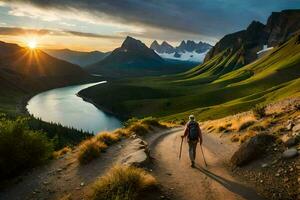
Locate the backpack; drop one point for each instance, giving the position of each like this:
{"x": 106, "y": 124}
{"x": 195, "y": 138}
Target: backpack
{"x": 193, "y": 133}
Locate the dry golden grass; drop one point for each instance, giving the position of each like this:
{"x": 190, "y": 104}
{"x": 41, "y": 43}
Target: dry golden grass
{"x": 108, "y": 138}
{"x": 245, "y": 136}
{"x": 89, "y": 150}
{"x": 139, "y": 128}
{"x": 245, "y": 125}
{"x": 235, "y": 138}
{"x": 62, "y": 152}
{"x": 122, "y": 132}
{"x": 92, "y": 148}
{"x": 122, "y": 183}
{"x": 230, "y": 123}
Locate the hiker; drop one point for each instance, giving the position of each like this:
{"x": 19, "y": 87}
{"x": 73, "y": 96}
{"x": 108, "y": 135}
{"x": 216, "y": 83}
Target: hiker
{"x": 194, "y": 135}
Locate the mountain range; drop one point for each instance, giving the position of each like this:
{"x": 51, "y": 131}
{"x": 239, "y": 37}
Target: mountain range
{"x": 134, "y": 58}
{"x": 187, "y": 50}
{"x": 82, "y": 59}
{"x": 234, "y": 77}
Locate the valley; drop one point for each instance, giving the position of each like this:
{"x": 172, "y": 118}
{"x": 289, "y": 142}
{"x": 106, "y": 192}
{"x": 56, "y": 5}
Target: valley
{"x": 110, "y": 114}
{"x": 216, "y": 88}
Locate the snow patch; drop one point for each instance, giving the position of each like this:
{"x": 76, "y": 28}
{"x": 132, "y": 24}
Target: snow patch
{"x": 186, "y": 56}
{"x": 265, "y": 49}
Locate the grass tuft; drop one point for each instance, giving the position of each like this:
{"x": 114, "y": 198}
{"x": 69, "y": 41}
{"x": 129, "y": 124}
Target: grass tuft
{"x": 235, "y": 138}
{"x": 62, "y": 152}
{"x": 89, "y": 150}
{"x": 123, "y": 183}
{"x": 247, "y": 135}
{"x": 139, "y": 129}
{"x": 108, "y": 138}
{"x": 245, "y": 125}
{"x": 259, "y": 111}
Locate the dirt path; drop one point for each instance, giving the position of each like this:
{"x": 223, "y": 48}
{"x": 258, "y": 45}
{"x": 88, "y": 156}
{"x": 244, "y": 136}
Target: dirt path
{"x": 66, "y": 178}
{"x": 186, "y": 183}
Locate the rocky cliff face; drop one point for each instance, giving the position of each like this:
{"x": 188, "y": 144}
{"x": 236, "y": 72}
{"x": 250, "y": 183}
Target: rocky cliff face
{"x": 280, "y": 26}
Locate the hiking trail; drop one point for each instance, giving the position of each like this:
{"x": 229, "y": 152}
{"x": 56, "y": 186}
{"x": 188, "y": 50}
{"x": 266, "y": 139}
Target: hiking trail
{"x": 183, "y": 182}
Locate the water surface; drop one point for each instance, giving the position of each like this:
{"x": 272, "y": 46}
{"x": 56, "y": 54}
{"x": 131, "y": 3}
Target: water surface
{"x": 62, "y": 106}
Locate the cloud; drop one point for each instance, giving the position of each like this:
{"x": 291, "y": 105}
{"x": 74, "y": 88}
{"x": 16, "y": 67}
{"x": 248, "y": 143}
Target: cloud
{"x": 205, "y": 18}
{"x": 93, "y": 35}
{"x": 41, "y": 32}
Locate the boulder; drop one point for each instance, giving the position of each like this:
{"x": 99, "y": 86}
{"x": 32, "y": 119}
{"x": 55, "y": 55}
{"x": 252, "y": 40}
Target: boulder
{"x": 138, "y": 159}
{"x": 296, "y": 129}
{"x": 291, "y": 142}
{"x": 252, "y": 149}
{"x": 290, "y": 153}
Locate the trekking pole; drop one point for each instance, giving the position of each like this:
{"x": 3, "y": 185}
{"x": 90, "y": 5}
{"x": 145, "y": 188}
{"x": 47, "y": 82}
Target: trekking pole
{"x": 180, "y": 148}
{"x": 203, "y": 155}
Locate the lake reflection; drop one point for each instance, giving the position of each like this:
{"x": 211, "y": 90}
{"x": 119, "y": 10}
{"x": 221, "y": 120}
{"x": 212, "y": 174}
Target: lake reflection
{"x": 62, "y": 106}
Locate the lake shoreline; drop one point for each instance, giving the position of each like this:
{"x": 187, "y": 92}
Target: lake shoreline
{"x": 102, "y": 108}
{"x": 79, "y": 113}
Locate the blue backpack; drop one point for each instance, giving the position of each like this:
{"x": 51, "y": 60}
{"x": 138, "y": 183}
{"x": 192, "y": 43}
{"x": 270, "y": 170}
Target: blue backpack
{"x": 193, "y": 133}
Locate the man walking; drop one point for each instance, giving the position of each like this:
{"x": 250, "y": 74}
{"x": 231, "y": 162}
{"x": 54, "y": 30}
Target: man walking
{"x": 194, "y": 135}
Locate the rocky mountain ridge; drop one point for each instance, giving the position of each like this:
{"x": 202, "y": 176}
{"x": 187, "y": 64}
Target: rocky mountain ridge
{"x": 245, "y": 44}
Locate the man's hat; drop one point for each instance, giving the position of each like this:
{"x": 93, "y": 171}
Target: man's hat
{"x": 192, "y": 117}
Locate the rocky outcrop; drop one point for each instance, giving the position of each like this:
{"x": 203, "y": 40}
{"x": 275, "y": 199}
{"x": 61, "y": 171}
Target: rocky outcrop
{"x": 280, "y": 27}
{"x": 252, "y": 149}
{"x": 138, "y": 155}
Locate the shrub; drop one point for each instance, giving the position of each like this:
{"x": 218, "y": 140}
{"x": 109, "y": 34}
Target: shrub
{"x": 21, "y": 148}
{"x": 245, "y": 125}
{"x": 123, "y": 183}
{"x": 259, "y": 111}
{"x": 90, "y": 150}
{"x": 107, "y": 138}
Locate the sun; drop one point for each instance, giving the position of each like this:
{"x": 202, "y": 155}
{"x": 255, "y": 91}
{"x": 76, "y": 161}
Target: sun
{"x": 32, "y": 44}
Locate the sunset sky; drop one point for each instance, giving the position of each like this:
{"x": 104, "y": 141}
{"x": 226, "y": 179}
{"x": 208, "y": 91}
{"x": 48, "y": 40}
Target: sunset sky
{"x": 103, "y": 24}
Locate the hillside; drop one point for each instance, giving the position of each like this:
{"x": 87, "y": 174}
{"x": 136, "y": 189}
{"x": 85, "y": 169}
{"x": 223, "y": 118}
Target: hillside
{"x": 82, "y": 59}
{"x": 35, "y": 63}
{"x": 210, "y": 90}
{"x": 24, "y": 71}
{"x": 134, "y": 59}
{"x": 238, "y": 49}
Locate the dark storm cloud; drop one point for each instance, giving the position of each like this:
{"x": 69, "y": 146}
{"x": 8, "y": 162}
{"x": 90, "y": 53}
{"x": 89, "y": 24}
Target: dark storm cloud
{"x": 212, "y": 18}
{"x": 24, "y": 31}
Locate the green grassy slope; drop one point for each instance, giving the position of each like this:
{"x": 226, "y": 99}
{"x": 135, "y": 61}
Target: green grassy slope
{"x": 206, "y": 93}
